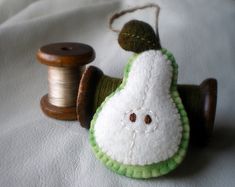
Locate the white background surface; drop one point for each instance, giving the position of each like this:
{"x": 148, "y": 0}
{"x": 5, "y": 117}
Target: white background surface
{"x": 39, "y": 151}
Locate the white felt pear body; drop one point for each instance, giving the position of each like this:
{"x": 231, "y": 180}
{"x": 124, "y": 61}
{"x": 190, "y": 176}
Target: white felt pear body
{"x": 120, "y": 130}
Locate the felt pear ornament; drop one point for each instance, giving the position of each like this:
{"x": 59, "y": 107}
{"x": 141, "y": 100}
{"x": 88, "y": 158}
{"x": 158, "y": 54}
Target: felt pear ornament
{"x": 142, "y": 130}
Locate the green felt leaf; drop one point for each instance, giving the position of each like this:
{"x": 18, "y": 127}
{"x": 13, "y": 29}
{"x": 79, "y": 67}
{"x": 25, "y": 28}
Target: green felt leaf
{"x": 138, "y": 36}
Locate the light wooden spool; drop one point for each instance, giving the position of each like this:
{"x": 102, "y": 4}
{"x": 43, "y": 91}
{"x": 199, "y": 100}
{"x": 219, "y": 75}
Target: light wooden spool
{"x": 69, "y": 55}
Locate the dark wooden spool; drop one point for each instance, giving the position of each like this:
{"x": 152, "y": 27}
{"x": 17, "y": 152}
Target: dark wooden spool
{"x": 199, "y": 102}
{"x": 63, "y": 55}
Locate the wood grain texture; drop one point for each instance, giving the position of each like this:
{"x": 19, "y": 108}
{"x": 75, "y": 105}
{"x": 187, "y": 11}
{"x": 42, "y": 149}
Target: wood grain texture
{"x": 200, "y": 104}
{"x": 86, "y": 95}
{"x": 60, "y": 113}
{"x": 66, "y": 54}
{"x": 69, "y": 55}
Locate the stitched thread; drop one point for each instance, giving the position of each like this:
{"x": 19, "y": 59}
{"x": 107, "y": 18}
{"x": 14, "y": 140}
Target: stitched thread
{"x": 155, "y": 169}
{"x": 141, "y": 107}
{"x": 147, "y": 111}
{"x": 147, "y": 86}
{"x": 152, "y": 44}
{"x": 132, "y": 145}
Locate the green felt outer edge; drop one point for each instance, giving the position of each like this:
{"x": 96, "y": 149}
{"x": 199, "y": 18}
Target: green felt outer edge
{"x": 156, "y": 169}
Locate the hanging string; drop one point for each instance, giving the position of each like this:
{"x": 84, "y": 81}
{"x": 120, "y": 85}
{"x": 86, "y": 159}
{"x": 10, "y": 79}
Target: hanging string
{"x": 109, "y": 84}
{"x": 123, "y": 12}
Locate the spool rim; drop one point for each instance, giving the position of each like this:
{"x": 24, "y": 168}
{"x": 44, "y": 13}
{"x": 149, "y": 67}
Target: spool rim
{"x": 60, "y": 113}
{"x": 209, "y": 99}
{"x": 86, "y": 95}
{"x": 66, "y": 54}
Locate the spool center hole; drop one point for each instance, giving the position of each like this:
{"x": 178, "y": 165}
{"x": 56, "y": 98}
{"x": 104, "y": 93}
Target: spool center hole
{"x": 66, "y": 48}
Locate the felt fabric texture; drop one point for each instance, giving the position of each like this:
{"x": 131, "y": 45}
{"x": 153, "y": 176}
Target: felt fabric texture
{"x": 138, "y": 36}
{"x": 39, "y": 151}
{"x": 148, "y": 89}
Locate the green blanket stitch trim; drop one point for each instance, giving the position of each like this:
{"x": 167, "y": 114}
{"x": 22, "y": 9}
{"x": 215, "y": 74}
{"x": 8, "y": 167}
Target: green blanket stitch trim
{"x": 156, "y": 169}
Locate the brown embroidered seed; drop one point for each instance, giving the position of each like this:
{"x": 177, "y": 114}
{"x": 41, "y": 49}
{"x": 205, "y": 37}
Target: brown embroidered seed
{"x": 132, "y": 117}
{"x": 147, "y": 119}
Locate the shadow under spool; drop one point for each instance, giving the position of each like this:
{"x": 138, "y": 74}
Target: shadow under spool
{"x": 66, "y": 63}
{"x": 199, "y": 101}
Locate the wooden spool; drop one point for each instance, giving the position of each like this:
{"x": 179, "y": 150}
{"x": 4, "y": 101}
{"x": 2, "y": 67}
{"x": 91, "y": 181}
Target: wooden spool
{"x": 199, "y": 101}
{"x": 69, "y": 55}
